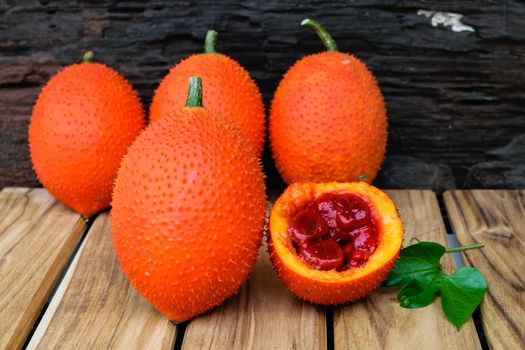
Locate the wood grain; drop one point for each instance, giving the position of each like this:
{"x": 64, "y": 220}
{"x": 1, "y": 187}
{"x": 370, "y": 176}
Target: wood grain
{"x": 37, "y": 238}
{"x": 96, "y": 308}
{"x": 263, "y": 315}
{"x": 497, "y": 219}
{"x": 378, "y": 322}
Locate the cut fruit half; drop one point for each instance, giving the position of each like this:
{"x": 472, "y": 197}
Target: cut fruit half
{"x": 332, "y": 243}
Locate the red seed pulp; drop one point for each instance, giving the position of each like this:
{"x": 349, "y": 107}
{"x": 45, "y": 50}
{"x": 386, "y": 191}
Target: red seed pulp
{"x": 334, "y": 231}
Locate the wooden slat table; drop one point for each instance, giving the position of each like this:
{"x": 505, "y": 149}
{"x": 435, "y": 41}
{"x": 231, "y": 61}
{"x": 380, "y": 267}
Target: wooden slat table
{"x": 37, "y": 237}
{"x": 379, "y": 322}
{"x": 497, "y": 219}
{"x": 93, "y": 306}
{"x": 95, "y": 302}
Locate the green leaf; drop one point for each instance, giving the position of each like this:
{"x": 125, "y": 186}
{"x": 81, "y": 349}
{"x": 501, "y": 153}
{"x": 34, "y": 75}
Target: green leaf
{"x": 410, "y": 268}
{"x": 414, "y": 295}
{"x": 461, "y": 293}
{"x": 428, "y": 251}
{"x": 418, "y": 262}
{"x": 419, "y": 274}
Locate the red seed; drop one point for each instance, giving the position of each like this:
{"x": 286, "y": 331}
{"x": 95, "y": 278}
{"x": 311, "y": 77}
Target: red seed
{"x": 352, "y": 219}
{"x": 332, "y": 229}
{"x": 358, "y": 258}
{"x": 366, "y": 239}
{"x": 322, "y": 255}
{"x": 329, "y": 206}
{"x": 308, "y": 225}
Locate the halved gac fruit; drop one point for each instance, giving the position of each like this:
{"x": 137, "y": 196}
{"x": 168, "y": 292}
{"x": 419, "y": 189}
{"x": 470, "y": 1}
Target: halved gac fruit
{"x": 332, "y": 243}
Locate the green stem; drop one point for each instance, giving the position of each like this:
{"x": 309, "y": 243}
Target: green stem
{"x": 465, "y": 247}
{"x": 210, "y": 42}
{"x": 194, "y": 92}
{"x": 326, "y": 38}
{"x": 88, "y": 57}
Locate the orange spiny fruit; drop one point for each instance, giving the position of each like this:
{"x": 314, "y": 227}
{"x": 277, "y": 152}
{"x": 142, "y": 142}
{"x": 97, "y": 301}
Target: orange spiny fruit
{"x": 328, "y": 119}
{"x": 82, "y": 123}
{"x": 332, "y": 243}
{"x": 227, "y": 88}
{"x": 188, "y": 210}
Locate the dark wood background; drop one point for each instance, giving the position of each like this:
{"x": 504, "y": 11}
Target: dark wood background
{"x": 456, "y": 100}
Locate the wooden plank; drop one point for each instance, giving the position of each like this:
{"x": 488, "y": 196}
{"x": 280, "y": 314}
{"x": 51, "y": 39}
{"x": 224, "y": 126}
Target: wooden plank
{"x": 263, "y": 315}
{"x": 96, "y": 308}
{"x": 378, "y": 322}
{"x": 497, "y": 219}
{"x": 37, "y": 238}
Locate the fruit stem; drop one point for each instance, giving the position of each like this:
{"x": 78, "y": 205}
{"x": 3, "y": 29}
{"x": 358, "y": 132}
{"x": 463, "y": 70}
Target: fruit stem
{"x": 88, "y": 57}
{"x": 465, "y": 247}
{"x": 194, "y": 92}
{"x": 326, "y": 38}
{"x": 210, "y": 42}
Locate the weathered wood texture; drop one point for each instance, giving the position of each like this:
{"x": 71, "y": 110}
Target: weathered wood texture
{"x": 378, "y": 322}
{"x": 96, "y": 308}
{"x": 497, "y": 219}
{"x": 37, "y": 237}
{"x": 453, "y": 98}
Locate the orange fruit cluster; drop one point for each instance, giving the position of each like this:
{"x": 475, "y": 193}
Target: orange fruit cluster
{"x": 188, "y": 194}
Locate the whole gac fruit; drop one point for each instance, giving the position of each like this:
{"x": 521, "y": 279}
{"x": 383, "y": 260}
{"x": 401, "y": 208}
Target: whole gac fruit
{"x": 328, "y": 119}
{"x": 188, "y": 210}
{"x": 332, "y": 243}
{"x": 227, "y": 87}
{"x": 82, "y": 123}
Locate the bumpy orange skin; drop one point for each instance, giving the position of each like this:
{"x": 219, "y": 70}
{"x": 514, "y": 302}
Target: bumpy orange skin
{"x": 328, "y": 121}
{"x": 82, "y": 123}
{"x": 332, "y": 287}
{"x": 227, "y": 88}
{"x": 188, "y": 212}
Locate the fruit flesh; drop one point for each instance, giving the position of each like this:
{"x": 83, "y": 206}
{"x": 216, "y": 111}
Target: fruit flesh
{"x": 334, "y": 231}
{"x": 333, "y": 287}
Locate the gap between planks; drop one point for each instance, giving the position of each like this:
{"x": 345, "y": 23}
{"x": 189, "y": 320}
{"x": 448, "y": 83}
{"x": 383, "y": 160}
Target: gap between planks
{"x": 378, "y": 322}
{"x": 95, "y": 307}
{"x": 495, "y": 218}
{"x": 37, "y": 238}
{"x": 264, "y": 315}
